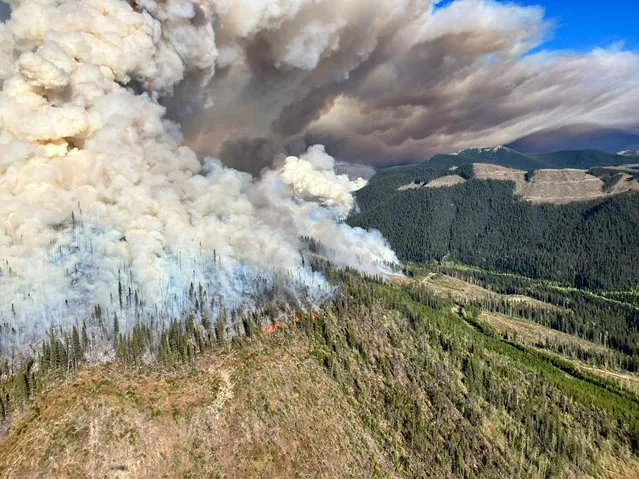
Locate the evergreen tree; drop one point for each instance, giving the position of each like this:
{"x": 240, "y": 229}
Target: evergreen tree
{"x": 116, "y": 330}
{"x": 78, "y": 351}
{"x": 85, "y": 337}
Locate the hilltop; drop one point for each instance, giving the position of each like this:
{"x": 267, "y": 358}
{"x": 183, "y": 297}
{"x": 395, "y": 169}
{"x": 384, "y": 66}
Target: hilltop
{"x": 504, "y": 156}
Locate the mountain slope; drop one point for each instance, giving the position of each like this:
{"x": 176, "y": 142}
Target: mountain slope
{"x": 505, "y": 156}
{"x": 232, "y": 414}
{"x": 376, "y": 385}
{"x": 582, "y": 230}
{"x": 590, "y": 244}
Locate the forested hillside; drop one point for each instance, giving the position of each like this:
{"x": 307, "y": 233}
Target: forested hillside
{"x": 503, "y": 156}
{"x": 591, "y": 244}
{"x": 384, "y": 381}
{"x": 610, "y": 320}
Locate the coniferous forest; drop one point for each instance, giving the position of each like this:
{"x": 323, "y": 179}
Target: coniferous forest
{"x": 591, "y": 245}
{"x": 437, "y": 392}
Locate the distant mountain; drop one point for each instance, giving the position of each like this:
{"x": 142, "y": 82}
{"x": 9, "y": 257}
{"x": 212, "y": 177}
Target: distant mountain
{"x": 575, "y": 227}
{"x": 504, "y": 156}
{"x": 354, "y": 171}
{"x": 575, "y": 137}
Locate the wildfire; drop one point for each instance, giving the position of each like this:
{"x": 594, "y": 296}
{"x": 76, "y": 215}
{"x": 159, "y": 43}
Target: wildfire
{"x": 270, "y": 329}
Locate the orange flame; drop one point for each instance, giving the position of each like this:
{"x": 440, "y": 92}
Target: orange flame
{"x": 270, "y": 329}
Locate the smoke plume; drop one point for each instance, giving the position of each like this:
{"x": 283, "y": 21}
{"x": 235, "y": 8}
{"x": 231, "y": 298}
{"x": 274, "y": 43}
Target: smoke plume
{"x": 104, "y": 104}
{"x": 100, "y": 202}
{"x": 398, "y": 80}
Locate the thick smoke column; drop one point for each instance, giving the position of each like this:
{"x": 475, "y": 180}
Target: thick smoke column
{"x": 394, "y": 81}
{"x": 312, "y": 176}
{"x": 97, "y": 192}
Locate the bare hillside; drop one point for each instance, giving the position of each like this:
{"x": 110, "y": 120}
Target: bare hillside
{"x": 450, "y": 180}
{"x": 231, "y": 416}
{"x": 452, "y": 288}
{"x": 558, "y": 186}
{"x": 554, "y": 186}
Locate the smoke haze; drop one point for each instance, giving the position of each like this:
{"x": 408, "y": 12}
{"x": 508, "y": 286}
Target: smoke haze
{"x": 98, "y": 194}
{"x": 396, "y": 81}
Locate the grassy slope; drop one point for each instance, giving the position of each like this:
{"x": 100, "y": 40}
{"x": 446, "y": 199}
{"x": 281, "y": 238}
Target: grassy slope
{"x": 265, "y": 410}
{"x": 377, "y": 386}
{"x": 535, "y": 335}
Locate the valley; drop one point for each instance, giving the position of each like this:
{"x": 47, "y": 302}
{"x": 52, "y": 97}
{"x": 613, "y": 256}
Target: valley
{"x": 517, "y": 328}
{"x": 532, "y": 334}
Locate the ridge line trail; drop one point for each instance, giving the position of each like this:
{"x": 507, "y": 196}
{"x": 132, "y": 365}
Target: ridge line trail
{"x": 224, "y": 371}
{"x": 225, "y": 394}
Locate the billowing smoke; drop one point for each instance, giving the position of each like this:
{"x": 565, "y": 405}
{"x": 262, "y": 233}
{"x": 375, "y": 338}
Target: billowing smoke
{"x": 391, "y": 81}
{"x": 312, "y": 176}
{"x": 105, "y": 102}
{"x": 100, "y": 202}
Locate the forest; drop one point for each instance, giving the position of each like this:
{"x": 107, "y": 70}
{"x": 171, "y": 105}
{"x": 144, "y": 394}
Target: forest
{"x": 590, "y": 245}
{"x": 440, "y": 393}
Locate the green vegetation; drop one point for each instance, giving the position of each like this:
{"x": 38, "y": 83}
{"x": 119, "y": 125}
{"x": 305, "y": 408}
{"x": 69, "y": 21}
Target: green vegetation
{"x": 590, "y": 316}
{"x": 590, "y": 245}
{"x": 522, "y": 397}
{"x": 434, "y": 392}
{"x": 601, "y": 319}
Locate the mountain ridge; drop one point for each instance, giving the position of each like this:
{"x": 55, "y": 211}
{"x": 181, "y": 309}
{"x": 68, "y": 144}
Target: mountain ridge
{"x": 505, "y": 156}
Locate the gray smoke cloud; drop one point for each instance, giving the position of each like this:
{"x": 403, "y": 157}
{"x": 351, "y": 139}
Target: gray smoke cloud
{"x": 395, "y": 81}
{"x": 99, "y": 195}
{"x": 104, "y": 104}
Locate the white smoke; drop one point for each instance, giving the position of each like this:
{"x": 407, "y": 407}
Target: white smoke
{"x": 312, "y": 176}
{"x": 97, "y": 192}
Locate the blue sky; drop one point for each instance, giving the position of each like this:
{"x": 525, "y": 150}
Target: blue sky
{"x": 4, "y": 10}
{"x": 585, "y": 24}
{"x": 581, "y": 24}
